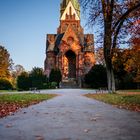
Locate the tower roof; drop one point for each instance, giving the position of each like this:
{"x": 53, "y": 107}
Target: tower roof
{"x": 75, "y": 3}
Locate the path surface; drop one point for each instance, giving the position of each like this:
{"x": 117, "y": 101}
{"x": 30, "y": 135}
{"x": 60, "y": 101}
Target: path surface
{"x": 71, "y": 116}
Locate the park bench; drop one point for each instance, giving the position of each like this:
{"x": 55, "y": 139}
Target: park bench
{"x": 34, "y": 90}
{"x": 102, "y": 90}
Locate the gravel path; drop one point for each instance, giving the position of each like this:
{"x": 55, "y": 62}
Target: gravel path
{"x": 71, "y": 116}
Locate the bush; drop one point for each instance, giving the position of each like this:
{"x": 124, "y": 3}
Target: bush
{"x": 34, "y": 79}
{"x": 23, "y": 81}
{"x": 53, "y": 85}
{"x": 96, "y": 77}
{"x": 50, "y": 85}
{"x": 37, "y": 78}
{"x": 55, "y": 76}
{"x": 126, "y": 82}
{"x": 5, "y": 85}
{"x": 46, "y": 85}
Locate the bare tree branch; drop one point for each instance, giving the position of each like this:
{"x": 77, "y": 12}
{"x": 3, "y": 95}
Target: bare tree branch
{"x": 124, "y": 16}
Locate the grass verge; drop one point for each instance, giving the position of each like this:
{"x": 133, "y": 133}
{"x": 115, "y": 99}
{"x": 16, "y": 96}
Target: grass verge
{"x": 2, "y": 91}
{"x": 132, "y": 90}
{"x": 10, "y": 103}
{"x": 126, "y": 101}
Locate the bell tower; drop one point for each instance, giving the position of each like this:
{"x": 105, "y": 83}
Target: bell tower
{"x": 75, "y": 4}
{"x": 70, "y": 15}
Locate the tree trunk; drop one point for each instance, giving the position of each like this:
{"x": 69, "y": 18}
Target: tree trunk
{"x": 113, "y": 81}
{"x": 110, "y": 78}
{"x": 108, "y": 58}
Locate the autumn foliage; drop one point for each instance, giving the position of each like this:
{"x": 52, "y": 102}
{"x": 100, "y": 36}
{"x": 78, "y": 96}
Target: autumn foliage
{"x": 114, "y": 19}
{"x": 126, "y": 64}
{"x": 122, "y": 101}
{"x": 11, "y": 103}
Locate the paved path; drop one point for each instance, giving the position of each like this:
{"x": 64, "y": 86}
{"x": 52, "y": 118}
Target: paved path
{"x": 71, "y": 116}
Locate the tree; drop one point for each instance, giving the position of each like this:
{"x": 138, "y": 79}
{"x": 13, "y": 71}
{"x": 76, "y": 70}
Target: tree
{"x": 134, "y": 64}
{"x": 124, "y": 69}
{"x": 96, "y": 77}
{"x": 113, "y": 17}
{"x": 37, "y": 77}
{"x": 5, "y": 63}
{"x": 55, "y": 76}
{"x": 16, "y": 71}
{"x": 23, "y": 81}
{"x": 135, "y": 42}
{"x": 126, "y": 65}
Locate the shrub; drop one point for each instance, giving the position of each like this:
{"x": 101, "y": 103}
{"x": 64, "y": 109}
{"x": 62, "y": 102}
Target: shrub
{"x": 23, "y": 81}
{"x": 53, "y": 85}
{"x": 55, "y": 76}
{"x": 5, "y": 85}
{"x": 46, "y": 85}
{"x": 37, "y": 78}
{"x": 96, "y": 77}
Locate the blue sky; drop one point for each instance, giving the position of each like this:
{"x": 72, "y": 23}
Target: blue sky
{"x": 23, "y": 28}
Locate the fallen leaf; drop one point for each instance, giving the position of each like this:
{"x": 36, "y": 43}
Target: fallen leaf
{"x": 8, "y": 125}
{"x": 93, "y": 119}
{"x": 86, "y": 130}
{"x": 11, "y": 113}
{"x": 39, "y": 137}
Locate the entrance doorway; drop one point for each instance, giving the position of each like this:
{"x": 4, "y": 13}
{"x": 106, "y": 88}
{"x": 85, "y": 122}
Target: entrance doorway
{"x": 71, "y": 57}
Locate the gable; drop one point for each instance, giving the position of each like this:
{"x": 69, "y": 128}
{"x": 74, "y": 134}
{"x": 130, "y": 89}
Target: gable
{"x": 67, "y": 12}
{"x": 70, "y": 33}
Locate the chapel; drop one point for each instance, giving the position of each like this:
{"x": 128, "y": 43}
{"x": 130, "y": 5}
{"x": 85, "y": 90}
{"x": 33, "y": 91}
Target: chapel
{"x": 70, "y": 49}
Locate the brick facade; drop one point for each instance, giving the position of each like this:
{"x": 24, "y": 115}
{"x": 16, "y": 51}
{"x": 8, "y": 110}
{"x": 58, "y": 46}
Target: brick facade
{"x": 70, "y": 49}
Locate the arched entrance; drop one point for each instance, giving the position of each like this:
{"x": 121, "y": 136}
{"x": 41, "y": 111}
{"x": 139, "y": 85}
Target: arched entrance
{"x": 71, "y": 66}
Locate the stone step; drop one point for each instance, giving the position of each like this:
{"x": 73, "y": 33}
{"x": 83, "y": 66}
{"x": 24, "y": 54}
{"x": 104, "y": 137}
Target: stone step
{"x": 69, "y": 84}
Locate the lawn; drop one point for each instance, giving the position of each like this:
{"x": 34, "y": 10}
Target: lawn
{"x": 126, "y": 101}
{"x": 135, "y": 91}
{"x": 1, "y": 91}
{"x": 10, "y": 103}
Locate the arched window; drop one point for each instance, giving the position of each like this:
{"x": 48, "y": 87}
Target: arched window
{"x": 70, "y": 12}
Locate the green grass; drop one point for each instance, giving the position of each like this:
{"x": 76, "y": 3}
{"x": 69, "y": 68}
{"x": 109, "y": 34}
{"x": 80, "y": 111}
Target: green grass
{"x": 131, "y": 90}
{"x": 24, "y": 99}
{"x": 10, "y": 103}
{"x": 128, "y": 101}
{"x": 8, "y": 91}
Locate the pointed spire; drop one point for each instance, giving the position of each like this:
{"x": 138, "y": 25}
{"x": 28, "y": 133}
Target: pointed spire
{"x": 75, "y": 3}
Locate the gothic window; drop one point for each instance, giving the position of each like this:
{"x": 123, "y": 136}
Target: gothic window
{"x": 70, "y": 11}
{"x": 74, "y": 26}
{"x": 65, "y": 27}
{"x": 73, "y": 16}
{"x": 51, "y": 62}
{"x": 70, "y": 40}
{"x": 66, "y": 16}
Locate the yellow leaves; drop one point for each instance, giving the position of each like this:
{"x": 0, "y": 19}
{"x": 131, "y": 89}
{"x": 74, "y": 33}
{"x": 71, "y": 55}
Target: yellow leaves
{"x": 129, "y": 65}
{"x": 128, "y": 60}
{"x": 5, "y": 63}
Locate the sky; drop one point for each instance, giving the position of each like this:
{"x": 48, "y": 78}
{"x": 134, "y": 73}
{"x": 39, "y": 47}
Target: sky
{"x": 23, "y": 28}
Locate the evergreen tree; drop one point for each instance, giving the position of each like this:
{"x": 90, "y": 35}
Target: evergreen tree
{"x": 37, "y": 77}
{"x": 23, "y": 81}
{"x": 55, "y": 76}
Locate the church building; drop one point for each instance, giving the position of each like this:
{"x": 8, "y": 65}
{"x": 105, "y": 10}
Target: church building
{"x": 70, "y": 49}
